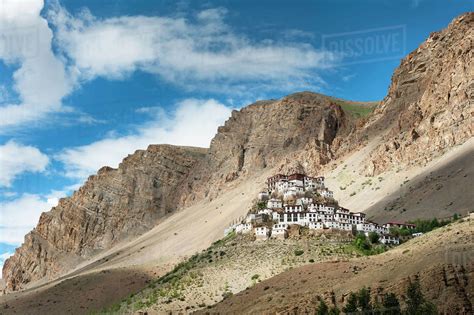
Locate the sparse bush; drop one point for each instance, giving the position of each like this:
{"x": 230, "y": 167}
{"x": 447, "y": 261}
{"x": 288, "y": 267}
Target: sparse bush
{"x": 361, "y": 242}
{"x": 363, "y": 300}
{"x": 299, "y": 252}
{"x": 261, "y": 205}
{"x": 322, "y": 309}
{"x": 391, "y": 305}
{"x": 255, "y": 277}
{"x": 374, "y": 237}
{"x": 351, "y": 305}
{"x": 416, "y": 303}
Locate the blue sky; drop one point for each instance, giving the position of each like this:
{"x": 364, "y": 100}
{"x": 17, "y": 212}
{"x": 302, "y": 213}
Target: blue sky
{"x": 83, "y": 83}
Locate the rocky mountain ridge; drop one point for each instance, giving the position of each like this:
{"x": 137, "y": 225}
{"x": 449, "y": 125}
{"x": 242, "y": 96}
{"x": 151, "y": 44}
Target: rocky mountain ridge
{"x": 427, "y": 111}
{"x": 119, "y": 204}
{"x": 262, "y": 134}
{"x": 114, "y": 205}
{"x": 429, "y": 106}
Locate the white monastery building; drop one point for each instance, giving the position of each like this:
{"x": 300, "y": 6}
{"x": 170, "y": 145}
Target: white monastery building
{"x": 289, "y": 200}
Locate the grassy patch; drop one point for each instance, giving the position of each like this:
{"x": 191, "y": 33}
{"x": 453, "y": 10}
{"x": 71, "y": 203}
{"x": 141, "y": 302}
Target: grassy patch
{"x": 357, "y": 110}
{"x": 201, "y": 279}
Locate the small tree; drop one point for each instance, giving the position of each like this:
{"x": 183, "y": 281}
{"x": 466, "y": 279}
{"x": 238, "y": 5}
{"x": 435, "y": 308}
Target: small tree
{"x": 261, "y": 205}
{"x": 394, "y": 231}
{"x": 414, "y": 297}
{"x": 322, "y": 309}
{"x": 434, "y": 223}
{"x": 351, "y": 305}
{"x": 363, "y": 299}
{"x": 416, "y": 303}
{"x": 361, "y": 242}
{"x": 334, "y": 311}
{"x": 405, "y": 232}
{"x": 391, "y": 305}
{"x": 374, "y": 237}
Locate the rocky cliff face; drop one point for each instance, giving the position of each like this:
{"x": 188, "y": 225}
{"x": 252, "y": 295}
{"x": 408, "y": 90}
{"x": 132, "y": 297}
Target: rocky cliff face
{"x": 122, "y": 203}
{"x": 113, "y": 205}
{"x": 263, "y": 134}
{"x": 428, "y": 110}
{"x": 429, "y": 106}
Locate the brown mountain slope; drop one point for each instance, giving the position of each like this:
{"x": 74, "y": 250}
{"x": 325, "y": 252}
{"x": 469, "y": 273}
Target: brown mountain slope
{"x": 114, "y": 205}
{"x": 441, "y": 259}
{"x": 260, "y": 135}
{"x": 121, "y": 203}
{"x": 440, "y": 192}
{"x": 426, "y": 118}
{"x": 429, "y": 106}
{"x": 427, "y": 112}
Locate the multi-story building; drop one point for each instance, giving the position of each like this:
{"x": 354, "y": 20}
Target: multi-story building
{"x": 301, "y": 210}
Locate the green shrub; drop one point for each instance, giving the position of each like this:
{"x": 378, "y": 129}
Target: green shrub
{"x": 351, "y": 304}
{"x": 391, "y": 305}
{"x": 299, "y": 252}
{"x": 363, "y": 300}
{"x": 374, "y": 237}
{"x": 416, "y": 303}
{"x": 322, "y": 309}
{"x": 261, "y": 205}
{"x": 361, "y": 242}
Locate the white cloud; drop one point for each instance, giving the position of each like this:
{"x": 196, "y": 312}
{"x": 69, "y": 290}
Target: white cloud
{"x": 201, "y": 52}
{"x": 194, "y": 123}
{"x": 16, "y": 159}
{"x": 9, "y": 194}
{"x": 41, "y": 80}
{"x": 19, "y": 216}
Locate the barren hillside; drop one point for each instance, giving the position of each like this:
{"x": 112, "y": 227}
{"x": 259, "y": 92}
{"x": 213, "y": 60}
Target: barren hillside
{"x": 441, "y": 259}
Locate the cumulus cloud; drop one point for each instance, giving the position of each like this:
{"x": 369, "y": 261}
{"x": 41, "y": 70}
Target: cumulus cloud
{"x": 194, "y": 123}
{"x": 16, "y": 159}
{"x": 40, "y": 80}
{"x": 19, "y": 216}
{"x": 197, "y": 52}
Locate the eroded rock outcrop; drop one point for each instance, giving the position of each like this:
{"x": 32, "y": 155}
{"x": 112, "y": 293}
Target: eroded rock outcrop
{"x": 113, "y": 205}
{"x": 264, "y": 134}
{"x": 430, "y": 104}
{"x": 117, "y": 204}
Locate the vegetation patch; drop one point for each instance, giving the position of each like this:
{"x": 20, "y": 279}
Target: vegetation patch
{"x": 362, "y": 302}
{"x": 197, "y": 282}
{"x": 357, "y": 110}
